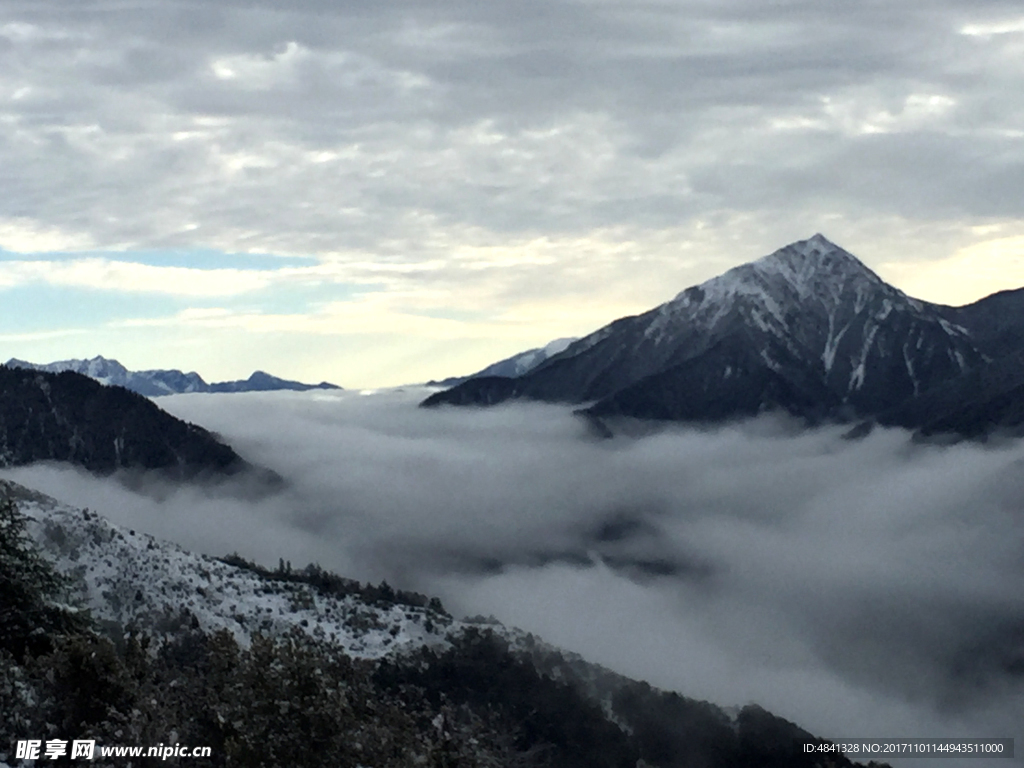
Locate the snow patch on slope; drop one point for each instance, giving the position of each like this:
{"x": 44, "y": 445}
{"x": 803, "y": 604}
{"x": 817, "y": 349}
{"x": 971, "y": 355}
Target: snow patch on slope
{"x": 133, "y": 579}
{"x": 813, "y": 271}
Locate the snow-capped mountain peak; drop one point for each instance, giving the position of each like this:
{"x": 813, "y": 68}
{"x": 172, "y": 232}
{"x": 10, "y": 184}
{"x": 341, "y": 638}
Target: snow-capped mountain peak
{"x": 103, "y": 370}
{"x": 100, "y": 368}
{"x": 817, "y": 301}
{"x": 813, "y": 270}
{"x": 809, "y": 264}
{"x": 808, "y": 328}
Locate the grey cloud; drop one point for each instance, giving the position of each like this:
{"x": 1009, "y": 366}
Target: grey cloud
{"x": 659, "y": 100}
{"x": 869, "y": 585}
{"x": 938, "y": 177}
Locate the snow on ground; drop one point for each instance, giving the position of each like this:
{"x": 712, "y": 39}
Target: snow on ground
{"x": 135, "y": 580}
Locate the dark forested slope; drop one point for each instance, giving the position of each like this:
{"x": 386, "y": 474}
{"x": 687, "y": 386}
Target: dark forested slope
{"x": 69, "y": 417}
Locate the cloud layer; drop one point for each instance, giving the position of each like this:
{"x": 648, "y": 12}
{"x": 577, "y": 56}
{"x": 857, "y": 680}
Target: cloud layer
{"x": 862, "y": 589}
{"x": 520, "y": 170}
{"x": 323, "y": 127}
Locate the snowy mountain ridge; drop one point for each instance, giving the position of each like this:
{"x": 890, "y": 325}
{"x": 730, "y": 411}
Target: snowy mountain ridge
{"x": 827, "y": 282}
{"x": 157, "y": 382}
{"x": 526, "y": 361}
{"x": 808, "y": 329}
{"x": 519, "y": 364}
{"x": 809, "y": 296}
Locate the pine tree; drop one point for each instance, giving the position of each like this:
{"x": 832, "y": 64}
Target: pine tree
{"x": 30, "y": 591}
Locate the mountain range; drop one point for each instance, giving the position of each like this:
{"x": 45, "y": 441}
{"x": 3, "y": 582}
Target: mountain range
{"x": 165, "y": 382}
{"x": 72, "y": 418}
{"x": 808, "y": 330}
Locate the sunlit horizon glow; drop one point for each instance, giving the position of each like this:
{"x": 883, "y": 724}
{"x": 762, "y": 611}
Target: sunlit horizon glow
{"x": 406, "y": 318}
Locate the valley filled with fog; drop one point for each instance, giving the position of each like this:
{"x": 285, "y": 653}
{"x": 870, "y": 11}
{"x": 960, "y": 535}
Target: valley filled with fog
{"x": 867, "y": 588}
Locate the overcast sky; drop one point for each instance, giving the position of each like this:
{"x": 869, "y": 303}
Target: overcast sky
{"x": 377, "y": 193}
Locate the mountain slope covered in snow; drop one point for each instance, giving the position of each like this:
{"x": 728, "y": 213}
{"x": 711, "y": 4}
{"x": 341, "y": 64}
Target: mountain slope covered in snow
{"x": 132, "y": 579}
{"x": 807, "y": 329}
{"x": 280, "y": 668}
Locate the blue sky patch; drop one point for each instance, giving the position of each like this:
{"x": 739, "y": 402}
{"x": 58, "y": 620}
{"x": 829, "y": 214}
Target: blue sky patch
{"x": 192, "y": 258}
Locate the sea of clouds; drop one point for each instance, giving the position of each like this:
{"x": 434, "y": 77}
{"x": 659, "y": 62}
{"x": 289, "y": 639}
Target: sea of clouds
{"x": 861, "y": 588}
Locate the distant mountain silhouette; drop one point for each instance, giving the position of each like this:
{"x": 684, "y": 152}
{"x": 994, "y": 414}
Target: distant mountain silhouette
{"x": 165, "y": 382}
